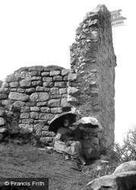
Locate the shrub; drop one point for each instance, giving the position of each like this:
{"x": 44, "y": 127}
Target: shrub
{"x": 127, "y": 151}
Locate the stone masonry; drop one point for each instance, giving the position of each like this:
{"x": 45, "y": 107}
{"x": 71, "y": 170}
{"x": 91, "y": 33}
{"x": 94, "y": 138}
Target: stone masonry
{"x": 42, "y": 92}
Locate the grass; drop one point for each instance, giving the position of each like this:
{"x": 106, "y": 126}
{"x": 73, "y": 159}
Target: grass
{"x": 28, "y": 161}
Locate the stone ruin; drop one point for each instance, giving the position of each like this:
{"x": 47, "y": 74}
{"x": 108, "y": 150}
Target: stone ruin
{"x": 39, "y": 93}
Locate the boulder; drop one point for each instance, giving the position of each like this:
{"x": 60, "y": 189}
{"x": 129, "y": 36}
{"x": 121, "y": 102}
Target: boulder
{"x": 123, "y": 178}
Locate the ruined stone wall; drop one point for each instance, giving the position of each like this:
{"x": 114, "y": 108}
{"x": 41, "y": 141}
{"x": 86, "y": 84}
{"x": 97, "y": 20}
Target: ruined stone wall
{"x": 93, "y": 60}
{"x": 40, "y": 93}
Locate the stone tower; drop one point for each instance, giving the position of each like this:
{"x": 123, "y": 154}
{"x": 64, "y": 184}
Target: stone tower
{"x": 93, "y": 61}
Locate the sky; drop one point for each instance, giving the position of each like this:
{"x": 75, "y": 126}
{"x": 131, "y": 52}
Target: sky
{"x": 40, "y": 32}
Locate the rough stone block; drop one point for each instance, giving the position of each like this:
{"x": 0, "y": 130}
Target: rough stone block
{"x": 60, "y": 84}
{"x": 36, "y": 83}
{"x": 35, "y": 78}
{"x": 18, "y": 104}
{"x": 24, "y": 115}
{"x": 25, "y": 109}
{"x": 48, "y": 134}
{"x": 26, "y": 121}
{"x": 47, "y": 79}
{"x": 46, "y": 73}
{"x": 62, "y": 91}
{"x": 35, "y": 73}
{"x": 65, "y": 72}
{"x": 45, "y": 109}
{"x": 39, "y": 104}
{"x": 65, "y": 103}
{"x": 39, "y": 96}
{"x": 25, "y": 83}
{"x": 34, "y": 109}
{"x": 30, "y": 90}
{"x": 1, "y": 111}
{"x": 54, "y": 90}
{"x": 72, "y": 76}
{"x": 34, "y": 115}
{"x": 13, "y": 84}
{"x": 46, "y": 140}
{"x": 48, "y": 84}
{"x": 2, "y": 121}
{"x": 18, "y": 96}
{"x": 57, "y": 78}
{"x": 55, "y": 72}
{"x": 3, "y": 130}
{"x": 18, "y": 90}
{"x": 40, "y": 89}
{"x": 54, "y": 103}
{"x": 72, "y": 90}
{"x": 3, "y": 96}
{"x": 56, "y": 110}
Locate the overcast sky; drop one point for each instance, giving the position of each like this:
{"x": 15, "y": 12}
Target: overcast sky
{"x": 39, "y": 32}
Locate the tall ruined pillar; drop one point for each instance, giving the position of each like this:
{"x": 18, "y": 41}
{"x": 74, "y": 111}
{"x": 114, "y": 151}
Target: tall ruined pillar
{"x": 93, "y": 60}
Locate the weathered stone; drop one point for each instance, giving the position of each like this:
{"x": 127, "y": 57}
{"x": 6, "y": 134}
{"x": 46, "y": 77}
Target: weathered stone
{"x": 47, "y": 73}
{"x": 48, "y": 84}
{"x": 56, "y": 110}
{"x": 46, "y": 140}
{"x": 54, "y": 91}
{"x": 2, "y": 121}
{"x": 25, "y": 109}
{"x": 123, "y": 178}
{"x": 18, "y": 96}
{"x": 45, "y": 127}
{"x": 39, "y": 104}
{"x": 65, "y": 72}
{"x": 45, "y": 109}
{"x": 35, "y": 78}
{"x": 72, "y": 100}
{"x": 1, "y": 111}
{"x": 72, "y": 76}
{"x": 24, "y": 115}
{"x": 54, "y": 103}
{"x": 36, "y": 83}
{"x": 27, "y": 121}
{"x": 3, "y": 96}
{"x": 48, "y": 134}
{"x": 30, "y": 90}
{"x": 55, "y": 72}
{"x": 72, "y": 90}
{"x": 40, "y": 88}
{"x": 18, "y": 104}
{"x": 36, "y": 109}
{"x": 18, "y": 90}
{"x": 25, "y": 83}
{"x": 3, "y": 130}
{"x": 65, "y": 103}
{"x": 57, "y": 78}
{"x": 65, "y": 78}
{"x": 47, "y": 79}
{"x": 46, "y": 117}
{"x": 15, "y": 90}
{"x": 34, "y": 115}
{"x": 62, "y": 91}
{"x": 39, "y": 96}
{"x": 125, "y": 167}
{"x": 35, "y": 73}
{"x": 13, "y": 84}
{"x": 60, "y": 84}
